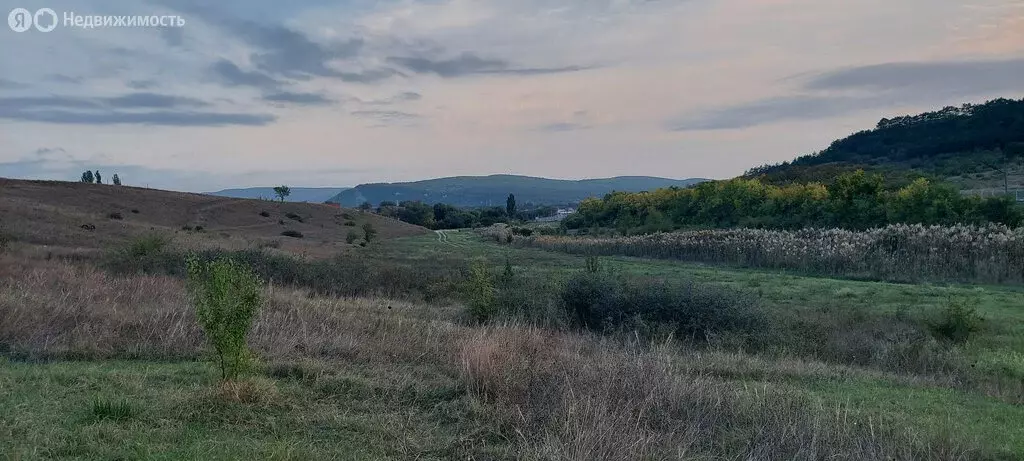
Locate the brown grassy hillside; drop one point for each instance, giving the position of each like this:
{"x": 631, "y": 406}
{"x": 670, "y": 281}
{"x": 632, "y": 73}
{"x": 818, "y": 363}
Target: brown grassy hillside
{"x": 63, "y": 214}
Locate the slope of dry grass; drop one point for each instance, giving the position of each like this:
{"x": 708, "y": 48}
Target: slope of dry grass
{"x": 52, "y": 213}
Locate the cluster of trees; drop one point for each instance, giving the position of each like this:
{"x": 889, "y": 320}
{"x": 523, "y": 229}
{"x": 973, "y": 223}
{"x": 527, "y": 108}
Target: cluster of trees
{"x": 94, "y": 178}
{"x": 445, "y": 216}
{"x": 855, "y": 200}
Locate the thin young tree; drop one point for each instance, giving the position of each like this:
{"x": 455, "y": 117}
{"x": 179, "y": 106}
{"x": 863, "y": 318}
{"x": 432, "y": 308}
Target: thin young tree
{"x": 116, "y": 180}
{"x": 99, "y": 179}
{"x": 510, "y": 206}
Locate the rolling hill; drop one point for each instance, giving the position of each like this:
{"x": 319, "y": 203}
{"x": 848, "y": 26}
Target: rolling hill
{"x": 966, "y": 145}
{"x": 79, "y": 216}
{"x": 475, "y": 191}
{"x": 299, "y": 194}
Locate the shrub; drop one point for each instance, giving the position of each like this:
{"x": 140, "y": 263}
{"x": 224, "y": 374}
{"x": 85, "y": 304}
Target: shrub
{"x": 957, "y": 321}
{"x": 593, "y": 264}
{"x": 294, "y": 217}
{"x": 350, "y": 224}
{"x": 603, "y": 302}
{"x": 265, "y": 214}
{"x": 198, "y": 228}
{"x": 292, "y": 234}
{"x": 148, "y": 254}
{"x": 135, "y": 211}
{"x": 5, "y": 241}
{"x": 480, "y": 292}
{"x": 186, "y": 228}
{"x": 351, "y": 237}
{"x": 369, "y": 232}
{"x": 115, "y": 215}
{"x": 226, "y": 295}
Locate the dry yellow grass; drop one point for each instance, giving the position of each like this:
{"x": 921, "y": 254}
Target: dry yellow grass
{"x": 52, "y": 213}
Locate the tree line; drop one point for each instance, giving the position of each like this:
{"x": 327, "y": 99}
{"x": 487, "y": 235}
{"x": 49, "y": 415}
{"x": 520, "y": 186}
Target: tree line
{"x": 855, "y": 200}
{"x": 95, "y": 178}
{"x": 445, "y": 216}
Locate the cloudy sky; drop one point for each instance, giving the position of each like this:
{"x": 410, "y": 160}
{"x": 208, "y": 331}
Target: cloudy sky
{"x": 336, "y": 93}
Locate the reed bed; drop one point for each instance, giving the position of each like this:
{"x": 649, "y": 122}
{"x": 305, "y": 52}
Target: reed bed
{"x": 991, "y": 254}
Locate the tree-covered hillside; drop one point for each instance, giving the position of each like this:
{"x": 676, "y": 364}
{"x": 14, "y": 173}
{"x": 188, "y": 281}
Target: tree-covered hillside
{"x": 487, "y": 191}
{"x": 970, "y": 142}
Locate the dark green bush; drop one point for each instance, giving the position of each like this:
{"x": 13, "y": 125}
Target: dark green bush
{"x": 350, "y": 224}
{"x": 351, "y": 237}
{"x": 265, "y": 214}
{"x": 294, "y": 217}
{"x": 115, "y": 215}
{"x": 144, "y": 255}
{"x": 292, "y": 234}
{"x": 957, "y": 321}
{"x": 603, "y": 302}
{"x": 480, "y": 292}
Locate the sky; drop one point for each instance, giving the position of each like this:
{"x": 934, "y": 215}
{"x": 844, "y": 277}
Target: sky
{"x": 344, "y": 92}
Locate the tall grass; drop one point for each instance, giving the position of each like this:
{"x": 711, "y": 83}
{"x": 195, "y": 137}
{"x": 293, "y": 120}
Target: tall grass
{"x": 991, "y": 254}
{"x": 576, "y": 398}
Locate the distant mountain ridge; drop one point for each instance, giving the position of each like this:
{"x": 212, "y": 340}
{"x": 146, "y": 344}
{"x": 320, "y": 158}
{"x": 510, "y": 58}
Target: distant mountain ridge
{"x": 299, "y": 194}
{"x": 476, "y": 191}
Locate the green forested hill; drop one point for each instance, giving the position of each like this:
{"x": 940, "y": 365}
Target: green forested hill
{"x": 966, "y": 145}
{"x": 476, "y": 191}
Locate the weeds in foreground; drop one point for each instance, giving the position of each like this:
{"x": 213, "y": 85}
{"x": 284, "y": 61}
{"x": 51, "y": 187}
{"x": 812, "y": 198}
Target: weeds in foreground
{"x": 114, "y": 410}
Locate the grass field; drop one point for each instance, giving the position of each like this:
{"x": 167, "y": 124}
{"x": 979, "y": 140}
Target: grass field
{"x": 104, "y": 366}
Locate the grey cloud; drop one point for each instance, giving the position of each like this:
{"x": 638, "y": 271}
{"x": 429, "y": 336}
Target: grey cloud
{"x": 11, "y": 84}
{"x": 141, "y": 84}
{"x": 385, "y": 118}
{"x": 407, "y": 96}
{"x": 309, "y": 99}
{"x": 368, "y": 76}
{"x": 132, "y": 100}
{"x": 385, "y": 114}
{"x": 471, "y": 64}
{"x": 769, "y": 111}
{"x": 465, "y": 64}
{"x": 562, "y": 127}
{"x": 280, "y": 51}
{"x": 165, "y": 118}
{"x": 122, "y": 110}
{"x": 60, "y": 78}
{"x": 879, "y": 86}
{"x": 947, "y": 78}
{"x": 230, "y": 74}
{"x": 152, "y": 100}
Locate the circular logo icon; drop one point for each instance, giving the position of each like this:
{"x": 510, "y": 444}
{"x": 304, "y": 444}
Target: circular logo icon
{"x": 20, "y": 19}
{"x": 49, "y": 25}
